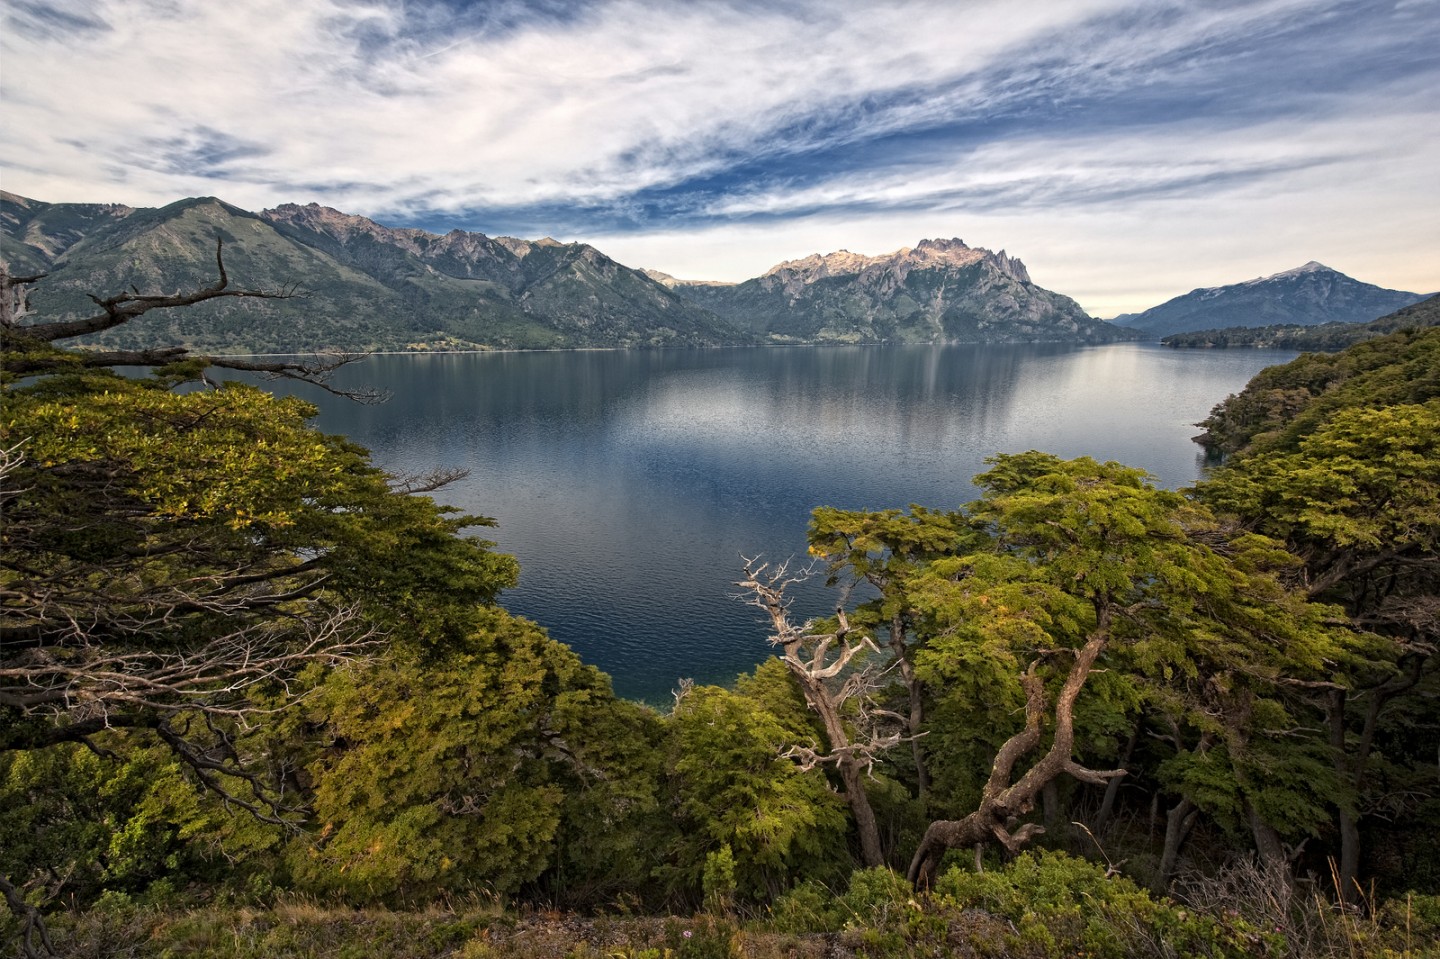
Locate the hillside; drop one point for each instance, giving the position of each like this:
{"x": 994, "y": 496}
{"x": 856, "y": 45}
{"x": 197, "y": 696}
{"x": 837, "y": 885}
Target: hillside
{"x": 1283, "y": 404}
{"x": 373, "y": 287}
{"x": 938, "y": 291}
{"x": 1325, "y": 338}
{"x": 367, "y": 287}
{"x": 1307, "y": 296}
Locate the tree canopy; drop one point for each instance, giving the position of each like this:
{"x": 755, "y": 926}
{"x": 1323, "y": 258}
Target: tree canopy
{"x": 234, "y": 654}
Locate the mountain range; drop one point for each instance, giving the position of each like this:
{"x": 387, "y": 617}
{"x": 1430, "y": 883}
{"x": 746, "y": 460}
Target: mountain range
{"x": 372, "y": 287}
{"x": 937, "y": 291}
{"x": 1307, "y": 296}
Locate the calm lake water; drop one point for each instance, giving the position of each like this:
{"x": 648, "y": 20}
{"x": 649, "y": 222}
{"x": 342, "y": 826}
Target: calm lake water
{"x": 629, "y": 484}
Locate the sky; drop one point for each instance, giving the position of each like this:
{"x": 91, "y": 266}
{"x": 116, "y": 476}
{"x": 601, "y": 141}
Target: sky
{"x": 1127, "y": 150}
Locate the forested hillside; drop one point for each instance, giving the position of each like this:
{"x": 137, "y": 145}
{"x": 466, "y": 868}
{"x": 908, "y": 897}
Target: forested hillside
{"x": 258, "y": 697}
{"x": 1327, "y": 337}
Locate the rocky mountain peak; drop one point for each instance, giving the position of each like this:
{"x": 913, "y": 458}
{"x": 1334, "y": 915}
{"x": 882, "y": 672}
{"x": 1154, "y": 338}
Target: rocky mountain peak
{"x": 324, "y": 219}
{"x": 890, "y": 268}
{"x": 522, "y": 248}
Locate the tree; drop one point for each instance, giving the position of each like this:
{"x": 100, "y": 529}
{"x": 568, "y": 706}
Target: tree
{"x": 1060, "y": 568}
{"x": 468, "y": 768}
{"x": 733, "y": 789}
{"x": 855, "y": 730}
{"x": 170, "y": 563}
{"x": 884, "y": 550}
{"x": 1350, "y": 481}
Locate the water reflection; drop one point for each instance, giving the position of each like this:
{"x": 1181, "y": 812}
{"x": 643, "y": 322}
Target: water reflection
{"x": 630, "y": 483}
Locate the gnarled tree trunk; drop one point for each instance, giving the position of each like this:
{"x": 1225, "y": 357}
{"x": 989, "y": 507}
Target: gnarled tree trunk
{"x": 1003, "y": 803}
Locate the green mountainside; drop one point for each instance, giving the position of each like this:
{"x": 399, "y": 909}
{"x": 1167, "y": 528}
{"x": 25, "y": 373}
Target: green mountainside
{"x": 372, "y": 287}
{"x": 1325, "y": 338}
{"x": 367, "y": 287}
{"x": 938, "y": 291}
{"x": 1283, "y": 404}
{"x": 508, "y": 292}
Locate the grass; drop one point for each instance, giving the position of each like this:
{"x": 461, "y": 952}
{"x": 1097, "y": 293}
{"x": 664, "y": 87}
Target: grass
{"x": 1041, "y": 907}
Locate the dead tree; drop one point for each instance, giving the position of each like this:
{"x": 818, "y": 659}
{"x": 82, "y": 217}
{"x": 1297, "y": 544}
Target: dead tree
{"x": 856, "y": 730}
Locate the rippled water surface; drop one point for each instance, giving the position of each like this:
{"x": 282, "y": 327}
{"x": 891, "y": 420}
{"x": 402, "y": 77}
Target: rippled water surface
{"x": 629, "y": 484}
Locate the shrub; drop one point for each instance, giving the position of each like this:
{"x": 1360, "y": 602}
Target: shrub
{"x": 1058, "y": 903}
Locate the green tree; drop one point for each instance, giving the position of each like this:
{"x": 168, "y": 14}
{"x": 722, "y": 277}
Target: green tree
{"x": 884, "y": 550}
{"x": 171, "y": 564}
{"x": 731, "y": 787}
{"x": 1060, "y": 568}
{"x": 458, "y": 771}
{"x": 1349, "y": 479}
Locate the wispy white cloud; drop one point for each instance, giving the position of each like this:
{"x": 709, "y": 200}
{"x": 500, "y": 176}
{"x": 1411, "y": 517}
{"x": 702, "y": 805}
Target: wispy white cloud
{"x": 656, "y": 128}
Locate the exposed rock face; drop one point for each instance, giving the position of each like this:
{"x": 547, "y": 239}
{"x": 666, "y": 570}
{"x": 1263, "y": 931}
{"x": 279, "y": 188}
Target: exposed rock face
{"x": 1308, "y": 296}
{"x": 893, "y": 267}
{"x": 936, "y": 291}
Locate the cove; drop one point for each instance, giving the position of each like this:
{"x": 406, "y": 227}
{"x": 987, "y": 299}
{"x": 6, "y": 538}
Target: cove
{"x": 629, "y": 484}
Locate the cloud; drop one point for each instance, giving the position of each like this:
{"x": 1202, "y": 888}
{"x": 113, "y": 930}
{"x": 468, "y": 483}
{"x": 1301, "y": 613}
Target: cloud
{"x": 639, "y": 120}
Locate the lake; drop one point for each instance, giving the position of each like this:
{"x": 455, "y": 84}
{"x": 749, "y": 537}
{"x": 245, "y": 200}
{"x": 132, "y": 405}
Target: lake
{"x": 629, "y": 484}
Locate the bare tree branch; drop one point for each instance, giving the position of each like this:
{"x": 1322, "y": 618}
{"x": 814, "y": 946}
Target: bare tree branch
{"x": 124, "y": 307}
{"x": 28, "y": 348}
{"x": 816, "y": 659}
{"x": 1003, "y": 800}
{"x": 32, "y": 925}
{"x": 88, "y": 683}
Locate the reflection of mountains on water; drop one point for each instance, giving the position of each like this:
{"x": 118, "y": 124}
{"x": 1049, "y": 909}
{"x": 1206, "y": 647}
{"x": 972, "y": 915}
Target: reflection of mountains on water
{"x": 629, "y": 484}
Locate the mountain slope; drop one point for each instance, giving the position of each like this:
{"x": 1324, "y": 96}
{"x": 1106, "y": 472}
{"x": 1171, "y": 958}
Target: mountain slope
{"x": 173, "y": 248}
{"x": 938, "y": 291}
{"x": 1325, "y": 338}
{"x": 34, "y": 234}
{"x": 368, "y": 287}
{"x": 517, "y": 292}
{"x": 1308, "y": 296}
{"x": 372, "y": 287}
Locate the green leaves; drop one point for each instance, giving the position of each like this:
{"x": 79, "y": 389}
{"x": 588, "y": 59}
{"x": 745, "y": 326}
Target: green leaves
{"x": 452, "y": 772}
{"x": 732, "y": 787}
{"x": 1368, "y": 480}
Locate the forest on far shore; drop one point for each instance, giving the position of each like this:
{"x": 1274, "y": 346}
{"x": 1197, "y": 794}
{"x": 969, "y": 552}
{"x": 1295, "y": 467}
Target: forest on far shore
{"x": 259, "y": 697}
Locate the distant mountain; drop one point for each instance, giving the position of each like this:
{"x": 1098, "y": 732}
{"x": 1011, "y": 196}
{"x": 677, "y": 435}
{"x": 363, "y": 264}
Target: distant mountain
{"x": 370, "y": 287}
{"x": 1306, "y": 296}
{"x": 1325, "y": 338}
{"x": 507, "y": 291}
{"x": 938, "y": 291}
{"x": 373, "y": 287}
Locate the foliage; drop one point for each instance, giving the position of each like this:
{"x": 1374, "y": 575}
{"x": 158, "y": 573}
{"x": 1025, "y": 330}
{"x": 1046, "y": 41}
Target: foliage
{"x": 1348, "y": 477}
{"x": 1283, "y": 403}
{"x": 718, "y": 881}
{"x": 1061, "y": 903}
{"x": 729, "y": 786}
{"x": 453, "y": 772}
{"x": 129, "y": 824}
{"x": 165, "y": 521}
